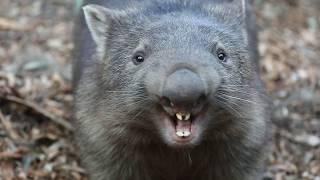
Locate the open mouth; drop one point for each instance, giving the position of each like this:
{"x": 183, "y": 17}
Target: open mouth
{"x": 183, "y": 127}
{"x": 182, "y": 123}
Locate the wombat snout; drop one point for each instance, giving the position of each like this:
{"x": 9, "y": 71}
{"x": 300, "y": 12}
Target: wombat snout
{"x": 183, "y": 88}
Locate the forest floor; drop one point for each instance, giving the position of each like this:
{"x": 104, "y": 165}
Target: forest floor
{"x": 36, "y": 93}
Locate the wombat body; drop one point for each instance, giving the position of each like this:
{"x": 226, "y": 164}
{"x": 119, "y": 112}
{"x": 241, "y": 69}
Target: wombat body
{"x": 169, "y": 90}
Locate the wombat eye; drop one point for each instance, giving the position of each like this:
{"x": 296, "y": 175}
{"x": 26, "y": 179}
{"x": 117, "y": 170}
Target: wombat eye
{"x": 222, "y": 56}
{"x": 138, "y": 58}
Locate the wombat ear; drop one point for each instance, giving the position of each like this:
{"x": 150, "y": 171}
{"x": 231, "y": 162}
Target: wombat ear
{"x": 244, "y": 8}
{"x": 241, "y": 8}
{"x": 99, "y": 20}
{"x": 230, "y": 8}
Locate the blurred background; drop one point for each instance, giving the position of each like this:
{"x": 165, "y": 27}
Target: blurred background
{"x": 36, "y": 98}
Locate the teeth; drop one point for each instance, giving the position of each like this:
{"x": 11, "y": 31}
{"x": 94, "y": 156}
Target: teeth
{"x": 180, "y": 133}
{"x": 182, "y": 116}
{"x": 187, "y": 117}
{"x": 179, "y": 116}
{"x": 187, "y": 133}
{"x": 183, "y": 133}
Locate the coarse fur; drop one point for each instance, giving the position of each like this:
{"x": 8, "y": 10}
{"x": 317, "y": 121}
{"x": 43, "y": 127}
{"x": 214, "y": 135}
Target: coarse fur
{"x": 116, "y": 115}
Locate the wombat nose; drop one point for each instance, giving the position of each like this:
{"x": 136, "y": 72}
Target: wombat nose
{"x": 183, "y": 88}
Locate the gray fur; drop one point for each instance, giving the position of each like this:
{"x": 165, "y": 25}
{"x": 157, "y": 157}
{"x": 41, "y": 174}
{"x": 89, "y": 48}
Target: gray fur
{"x": 116, "y": 114}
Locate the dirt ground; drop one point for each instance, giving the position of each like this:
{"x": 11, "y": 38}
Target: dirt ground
{"x": 36, "y": 98}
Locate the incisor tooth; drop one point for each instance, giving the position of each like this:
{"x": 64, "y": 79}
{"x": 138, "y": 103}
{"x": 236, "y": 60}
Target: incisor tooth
{"x": 187, "y": 117}
{"x": 179, "y": 133}
{"x": 179, "y": 116}
{"x": 183, "y": 133}
{"x": 187, "y": 133}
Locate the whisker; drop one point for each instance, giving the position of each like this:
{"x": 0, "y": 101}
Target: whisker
{"x": 235, "y": 85}
{"x": 230, "y": 107}
{"x": 132, "y": 102}
{"x": 225, "y": 99}
{"x": 239, "y": 92}
{"x": 240, "y": 99}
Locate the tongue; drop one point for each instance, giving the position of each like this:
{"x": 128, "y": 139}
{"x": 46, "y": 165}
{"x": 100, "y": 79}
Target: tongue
{"x": 183, "y": 126}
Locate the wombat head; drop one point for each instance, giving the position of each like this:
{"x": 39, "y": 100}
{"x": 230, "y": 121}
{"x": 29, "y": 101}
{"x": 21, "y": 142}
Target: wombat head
{"x": 172, "y": 71}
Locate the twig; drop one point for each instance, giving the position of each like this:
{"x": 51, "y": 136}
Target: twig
{"x": 9, "y": 155}
{"x": 39, "y": 110}
{"x": 11, "y": 133}
{"x": 6, "y": 25}
{"x": 71, "y": 168}
{"x": 8, "y": 127}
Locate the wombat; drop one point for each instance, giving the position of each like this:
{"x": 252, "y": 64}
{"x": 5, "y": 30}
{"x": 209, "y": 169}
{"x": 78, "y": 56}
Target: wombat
{"x": 169, "y": 90}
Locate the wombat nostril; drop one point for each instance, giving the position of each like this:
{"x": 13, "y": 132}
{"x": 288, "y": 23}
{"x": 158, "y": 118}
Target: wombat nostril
{"x": 200, "y": 101}
{"x": 164, "y": 101}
